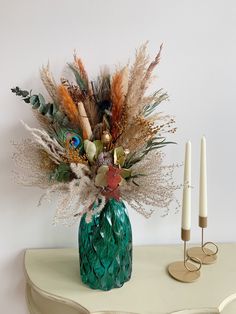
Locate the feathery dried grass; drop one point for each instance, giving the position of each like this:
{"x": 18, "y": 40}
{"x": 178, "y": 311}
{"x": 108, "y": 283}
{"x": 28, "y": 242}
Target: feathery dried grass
{"x": 44, "y": 122}
{"x": 134, "y": 93}
{"x": 33, "y": 165}
{"x": 81, "y": 69}
{"x": 165, "y": 124}
{"x": 49, "y": 83}
{"x": 149, "y": 71}
{"x": 153, "y": 186}
{"x": 139, "y": 132}
{"x": 68, "y": 106}
{"x": 76, "y": 197}
{"x": 119, "y": 87}
{"x": 135, "y": 130}
{"x": 54, "y": 150}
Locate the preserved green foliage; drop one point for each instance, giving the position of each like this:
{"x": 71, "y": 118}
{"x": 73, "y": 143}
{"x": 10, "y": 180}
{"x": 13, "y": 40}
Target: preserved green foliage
{"x": 62, "y": 173}
{"x": 49, "y": 110}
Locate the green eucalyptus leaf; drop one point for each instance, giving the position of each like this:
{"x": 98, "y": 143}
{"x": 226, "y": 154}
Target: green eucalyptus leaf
{"x": 49, "y": 110}
{"x": 34, "y": 101}
{"x": 41, "y": 99}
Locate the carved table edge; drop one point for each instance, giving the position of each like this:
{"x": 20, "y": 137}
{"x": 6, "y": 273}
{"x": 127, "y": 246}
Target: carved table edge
{"x": 77, "y": 306}
{"x": 51, "y": 296}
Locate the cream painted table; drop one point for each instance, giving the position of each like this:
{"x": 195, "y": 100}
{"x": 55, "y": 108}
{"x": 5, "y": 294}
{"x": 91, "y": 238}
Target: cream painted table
{"x": 54, "y": 285}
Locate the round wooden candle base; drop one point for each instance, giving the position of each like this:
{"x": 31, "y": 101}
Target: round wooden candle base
{"x": 178, "y": 271}
{"x": 207, "y": 257}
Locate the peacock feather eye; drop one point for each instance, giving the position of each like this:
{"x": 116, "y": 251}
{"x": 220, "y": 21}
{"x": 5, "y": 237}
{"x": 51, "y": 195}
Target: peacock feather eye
{"x": 74, "y": 140}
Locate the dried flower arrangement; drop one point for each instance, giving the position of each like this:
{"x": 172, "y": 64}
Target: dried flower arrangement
{"x": 98, "y": 140}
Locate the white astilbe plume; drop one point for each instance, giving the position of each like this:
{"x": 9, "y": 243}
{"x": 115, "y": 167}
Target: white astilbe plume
{"x": 76, "y": 197}
{"x": 55, "y": 151}
{"x": 153, "y": 187}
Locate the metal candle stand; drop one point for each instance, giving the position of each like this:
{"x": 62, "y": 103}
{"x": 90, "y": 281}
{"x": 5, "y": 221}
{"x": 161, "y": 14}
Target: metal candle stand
{"x": 185, "y": 271}
{"x": 202, "y": 253}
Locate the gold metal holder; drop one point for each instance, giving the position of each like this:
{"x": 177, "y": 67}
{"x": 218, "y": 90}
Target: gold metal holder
{"x": 185, "y": 271}
{"x": 203, "y": 253}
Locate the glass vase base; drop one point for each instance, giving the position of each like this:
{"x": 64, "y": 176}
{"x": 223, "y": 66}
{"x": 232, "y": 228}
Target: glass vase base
{"x": 105, "y": 248}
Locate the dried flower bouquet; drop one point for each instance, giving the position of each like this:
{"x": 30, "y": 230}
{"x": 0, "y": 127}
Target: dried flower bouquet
{"x": 99, "y": 140}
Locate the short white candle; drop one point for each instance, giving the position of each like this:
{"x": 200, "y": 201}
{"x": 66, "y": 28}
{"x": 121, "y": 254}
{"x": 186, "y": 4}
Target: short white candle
{"x": 203, "y": 180}
{"x": 186, "y": 206}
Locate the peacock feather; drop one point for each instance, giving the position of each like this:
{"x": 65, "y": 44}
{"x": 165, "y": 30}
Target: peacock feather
{"x": 70, "y": 138}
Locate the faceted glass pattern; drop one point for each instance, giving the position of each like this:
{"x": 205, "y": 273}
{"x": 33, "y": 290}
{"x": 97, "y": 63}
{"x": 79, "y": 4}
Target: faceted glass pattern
{"x": 105, "y": 247}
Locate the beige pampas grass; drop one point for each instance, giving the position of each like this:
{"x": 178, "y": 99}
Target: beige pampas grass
{"x": 137, "y": 126}
{"x": 150, "y": 69}
{"x": 49, "y": 82}
{"x": 137, "y": 74}
{"x": 76, "y": 197}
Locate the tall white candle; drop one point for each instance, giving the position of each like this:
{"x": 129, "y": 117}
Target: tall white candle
{"x": 186, "y": 206}
{"x": 203, "y": 180}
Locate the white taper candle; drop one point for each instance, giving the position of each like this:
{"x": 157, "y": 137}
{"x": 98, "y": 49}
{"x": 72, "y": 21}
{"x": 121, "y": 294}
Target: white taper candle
{"x": 203, "y": 180}
{"x": 186, "y": 206}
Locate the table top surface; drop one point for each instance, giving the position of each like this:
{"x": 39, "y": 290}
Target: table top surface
{"x": 55, "y": 272}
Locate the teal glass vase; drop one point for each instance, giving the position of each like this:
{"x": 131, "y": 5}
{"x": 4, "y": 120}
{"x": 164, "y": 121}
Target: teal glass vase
{"x": 105, "y": 247}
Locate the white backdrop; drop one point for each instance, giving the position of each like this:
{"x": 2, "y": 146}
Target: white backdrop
{"x": 198, "y": 70}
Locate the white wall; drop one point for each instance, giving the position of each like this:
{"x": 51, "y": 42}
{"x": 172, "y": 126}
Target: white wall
{"x": 198, "y": 70}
